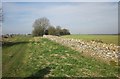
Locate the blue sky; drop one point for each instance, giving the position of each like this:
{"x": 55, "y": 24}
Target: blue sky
{"x": 78, "y": 17}
{"x": 60, "y": 0}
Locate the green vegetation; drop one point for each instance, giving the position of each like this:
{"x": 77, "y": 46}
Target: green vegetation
{"x": 105, "y": 38}
{"x": 13, "y": 52}
{"x": 38, "y": 57}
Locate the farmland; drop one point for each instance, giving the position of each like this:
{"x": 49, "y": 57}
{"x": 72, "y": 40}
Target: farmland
{"x": 26, "y": 56}
{"x": 105, "y": 38}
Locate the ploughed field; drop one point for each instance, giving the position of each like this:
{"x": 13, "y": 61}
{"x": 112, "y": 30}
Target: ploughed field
{"x": 26, "y": 56}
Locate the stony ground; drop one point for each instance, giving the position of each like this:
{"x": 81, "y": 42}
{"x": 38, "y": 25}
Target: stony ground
{"x": 106, "y": 52}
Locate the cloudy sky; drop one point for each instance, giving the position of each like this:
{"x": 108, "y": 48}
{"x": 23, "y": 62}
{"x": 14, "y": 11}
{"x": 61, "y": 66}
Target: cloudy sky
{"x": 78, "y": 17}
{"x": 59, "y": 0}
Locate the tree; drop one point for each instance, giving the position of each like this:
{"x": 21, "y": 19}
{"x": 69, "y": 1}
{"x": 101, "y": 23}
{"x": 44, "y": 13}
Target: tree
{"x": 58, "y": 30}
{"x": 40, "y": 25}
{"x": 38, "y": 31}
{"x": 46, "y": 32}
{"x": 51, "y": 30}
{"x": 1, "y": 15}
{"x": 65, "y": 32}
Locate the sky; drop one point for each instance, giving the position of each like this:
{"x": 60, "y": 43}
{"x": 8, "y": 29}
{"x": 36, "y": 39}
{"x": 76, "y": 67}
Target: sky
{"x": 59, "y": 0}
{"x": 78, "y": 17}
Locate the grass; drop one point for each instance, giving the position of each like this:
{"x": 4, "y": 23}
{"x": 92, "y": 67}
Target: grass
{"x": 13, "y": 54}
{"x": 39, "y": 57}
{"x": 105, "y": 38}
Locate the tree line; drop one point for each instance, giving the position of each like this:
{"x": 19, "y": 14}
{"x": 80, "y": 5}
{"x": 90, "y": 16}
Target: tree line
{"x": 42, "y": 27}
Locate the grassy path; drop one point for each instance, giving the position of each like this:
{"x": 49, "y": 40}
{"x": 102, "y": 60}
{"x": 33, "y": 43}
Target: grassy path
{"x": 13, "y": 55}
{"x": 42, "y": 57}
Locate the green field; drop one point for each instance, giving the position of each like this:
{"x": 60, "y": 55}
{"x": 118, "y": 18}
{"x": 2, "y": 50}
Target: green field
{"x": 105, "y": 38}
{"x": 26, "y": 56}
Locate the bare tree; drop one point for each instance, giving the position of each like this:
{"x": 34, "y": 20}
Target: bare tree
{"x": 40, "y": 25}
{"x": 1, "y": 14}
{"x": 1, "y": 20}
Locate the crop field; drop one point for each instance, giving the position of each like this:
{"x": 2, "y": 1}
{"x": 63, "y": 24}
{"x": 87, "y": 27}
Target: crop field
{"x": 105, "y": 38}
{"x": 26, "y": 56}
